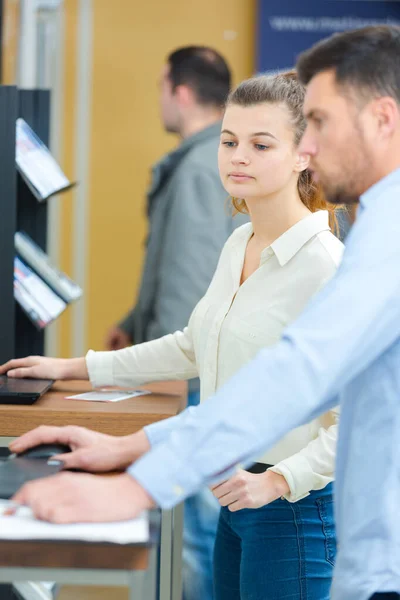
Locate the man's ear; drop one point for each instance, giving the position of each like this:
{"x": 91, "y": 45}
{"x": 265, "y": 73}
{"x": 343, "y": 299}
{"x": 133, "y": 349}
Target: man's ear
{"x": 184, "y": 95}
{"x": 386, "y": 113}
{"x": 302, "y": 162}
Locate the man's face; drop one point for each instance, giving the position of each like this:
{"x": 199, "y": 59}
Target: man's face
{"x": 169, "y": 108}
{"x": 335, "y": 139}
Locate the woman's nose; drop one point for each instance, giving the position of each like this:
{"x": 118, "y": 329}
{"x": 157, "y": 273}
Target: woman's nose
{"x": 240, "y": 158}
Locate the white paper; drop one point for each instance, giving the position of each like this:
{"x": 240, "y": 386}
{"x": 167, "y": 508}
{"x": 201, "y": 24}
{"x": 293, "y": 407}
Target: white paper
{"x": 23, "y": 526}
{"x": 37, "y": 164}
{"x": 36, "y": 298}
{"x": 38, "y": 260}
{"x": 108, "y": 396}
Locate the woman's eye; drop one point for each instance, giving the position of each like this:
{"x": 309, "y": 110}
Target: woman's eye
{"x": 228, "y": 144}
{"x": 261, "y": 147}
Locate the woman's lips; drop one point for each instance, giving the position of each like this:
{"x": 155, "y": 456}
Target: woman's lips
{"x": 240, "y": 177}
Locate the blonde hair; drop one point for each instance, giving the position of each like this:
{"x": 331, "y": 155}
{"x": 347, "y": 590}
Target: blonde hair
{"x": 284, "y": 88}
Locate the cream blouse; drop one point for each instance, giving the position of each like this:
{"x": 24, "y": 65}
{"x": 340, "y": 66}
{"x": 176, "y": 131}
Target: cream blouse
{"x": 228, "y": 327}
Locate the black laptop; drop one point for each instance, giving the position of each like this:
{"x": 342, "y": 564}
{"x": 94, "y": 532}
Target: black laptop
{"x": 14, "y": 472}
{"x": 22, "y": 391}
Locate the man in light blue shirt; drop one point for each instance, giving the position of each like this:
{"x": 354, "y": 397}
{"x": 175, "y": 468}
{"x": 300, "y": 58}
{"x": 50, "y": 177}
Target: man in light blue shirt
{"x": 344, "y": 348}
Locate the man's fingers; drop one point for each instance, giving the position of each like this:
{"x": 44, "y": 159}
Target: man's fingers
{"x": 22, "y": 496}
{"x": 92, "y": 460}
{"x": 78, "y": 459}
{"x": 61, "y": 514}
{"x": 44, "y": 434}
{"x": 46, "y": 510}
{"x": 41, "y": 494}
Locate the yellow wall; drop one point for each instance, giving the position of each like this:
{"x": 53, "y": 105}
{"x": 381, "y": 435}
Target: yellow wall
{"x": 68, "y": 139}
{"x": 131, "y": 40}
{"x": 9, "y": 51}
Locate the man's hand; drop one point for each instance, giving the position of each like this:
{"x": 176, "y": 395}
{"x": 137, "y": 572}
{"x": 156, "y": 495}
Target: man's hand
{"x": 116, "y": 339}
{"x": 41, "y": 367}
{"x": 81, "y": 498}
{"x": 91, "y": 451}
{"x": 249, "y": 490}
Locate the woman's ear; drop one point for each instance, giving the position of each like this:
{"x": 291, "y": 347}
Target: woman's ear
{"x": 302, "y": 162}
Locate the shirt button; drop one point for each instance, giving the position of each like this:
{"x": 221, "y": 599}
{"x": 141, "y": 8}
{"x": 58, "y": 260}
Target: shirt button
{"x": 266, "y": 254}
{"x": 178, "y": 490}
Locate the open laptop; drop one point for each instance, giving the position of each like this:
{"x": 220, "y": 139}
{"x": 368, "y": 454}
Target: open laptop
{"x": 22, "y": 391}
{"x": 14, "y": 472}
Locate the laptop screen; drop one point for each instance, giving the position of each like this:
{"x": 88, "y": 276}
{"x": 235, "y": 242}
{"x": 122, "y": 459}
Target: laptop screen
{"x": 9, "y": 386}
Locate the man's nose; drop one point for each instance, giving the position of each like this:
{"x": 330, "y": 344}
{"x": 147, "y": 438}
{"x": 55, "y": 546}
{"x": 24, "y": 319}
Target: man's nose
{"x": 307, "y": 144}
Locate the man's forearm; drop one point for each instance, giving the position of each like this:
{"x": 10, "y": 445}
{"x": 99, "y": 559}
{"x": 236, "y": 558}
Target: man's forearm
{"x": 229, "y": 429}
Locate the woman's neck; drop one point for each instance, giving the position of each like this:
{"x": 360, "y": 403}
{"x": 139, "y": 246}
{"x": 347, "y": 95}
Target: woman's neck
{"x": 274, "y": 215}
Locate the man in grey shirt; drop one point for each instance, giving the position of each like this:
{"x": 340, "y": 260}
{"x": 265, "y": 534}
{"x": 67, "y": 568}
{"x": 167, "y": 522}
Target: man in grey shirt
{"x": 190, "y": 219}
{"x": 189, "y": 214}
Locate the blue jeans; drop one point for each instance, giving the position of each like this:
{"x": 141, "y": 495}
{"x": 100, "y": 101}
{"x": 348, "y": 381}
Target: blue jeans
{"x": 201, "y": 515}
{"x": 385, "y": 596}
{"x": 281, "y": 551}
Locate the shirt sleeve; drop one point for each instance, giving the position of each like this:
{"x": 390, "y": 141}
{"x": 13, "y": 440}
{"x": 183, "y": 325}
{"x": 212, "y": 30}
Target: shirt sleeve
{"x": 161, "y": 430}
{"x": 344, "y": 329}
{"x": 313, "y": 467}
{"x": 170, "y": 357}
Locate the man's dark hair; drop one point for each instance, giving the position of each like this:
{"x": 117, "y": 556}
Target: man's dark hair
{"x": 366, "y": 60}
{"x": 202, "y": 69}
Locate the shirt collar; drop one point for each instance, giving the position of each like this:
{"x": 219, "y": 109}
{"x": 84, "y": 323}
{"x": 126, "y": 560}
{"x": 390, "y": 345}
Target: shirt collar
{"x": 211, "y": 131}
{"x": 170, "y": 159}
{"x": 290, "y": 242}
{"x": 376, "y": 190}
{"x": 164, "y": 167}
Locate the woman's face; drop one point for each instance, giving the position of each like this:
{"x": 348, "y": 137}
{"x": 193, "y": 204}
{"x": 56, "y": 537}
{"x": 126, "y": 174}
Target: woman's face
{"x": 257, "y": 156}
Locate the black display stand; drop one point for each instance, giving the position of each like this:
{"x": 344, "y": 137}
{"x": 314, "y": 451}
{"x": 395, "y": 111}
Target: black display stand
{"x": 19, "y": 210}
{"x": 1, "y": 37}
{"x": 8, "y": 219}
{"x": 34, "y": 108}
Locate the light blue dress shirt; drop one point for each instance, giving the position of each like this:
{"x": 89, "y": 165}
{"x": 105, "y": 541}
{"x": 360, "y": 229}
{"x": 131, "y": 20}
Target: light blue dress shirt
{"x": 346, "y": 347}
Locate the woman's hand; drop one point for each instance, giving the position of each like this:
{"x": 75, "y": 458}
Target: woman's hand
{"x": 91, "y": 451}
{"x": 41, "y": 367}
{"x": 249, "y": 490}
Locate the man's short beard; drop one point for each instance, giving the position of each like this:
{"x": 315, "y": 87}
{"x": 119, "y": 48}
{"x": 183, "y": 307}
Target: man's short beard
{"x": 340, "y": 196}
{"x": 355, "y": 183}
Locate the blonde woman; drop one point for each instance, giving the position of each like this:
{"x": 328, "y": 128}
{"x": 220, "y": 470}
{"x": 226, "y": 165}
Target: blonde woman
{"x": 276, "y": 534}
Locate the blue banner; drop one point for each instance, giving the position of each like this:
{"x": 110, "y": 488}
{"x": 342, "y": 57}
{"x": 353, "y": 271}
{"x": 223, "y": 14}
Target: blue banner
{"x": 287, "y": 27}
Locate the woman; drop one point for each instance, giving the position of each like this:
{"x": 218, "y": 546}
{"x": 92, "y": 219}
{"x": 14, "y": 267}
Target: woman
{"x": 276, "y": 535}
